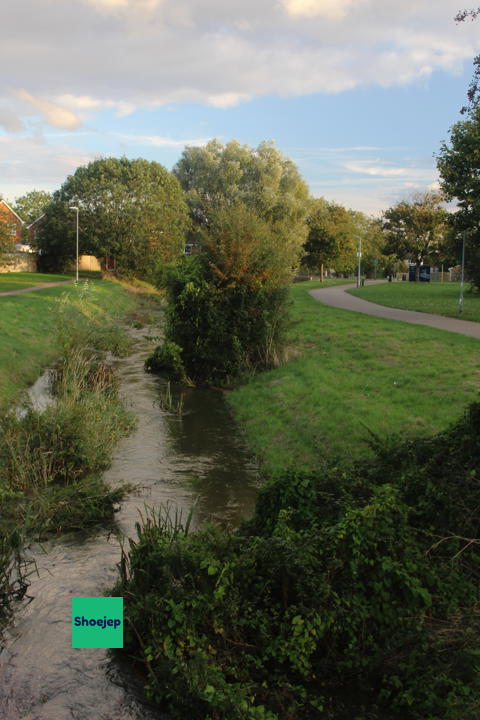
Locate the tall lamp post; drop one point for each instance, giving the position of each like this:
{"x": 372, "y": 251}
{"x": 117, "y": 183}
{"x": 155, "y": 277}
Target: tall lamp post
{"x": 359, "y": 255}
{"x": 76, "y": 210}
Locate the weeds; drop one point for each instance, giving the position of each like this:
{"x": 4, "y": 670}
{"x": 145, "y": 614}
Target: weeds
{"x": 51, "y": 461}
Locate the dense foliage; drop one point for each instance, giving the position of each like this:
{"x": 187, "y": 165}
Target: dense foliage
{"x": 351, "y": 594}
{"x": 416, "y": 229}
{"x": 32, "y": 205}
{"x": 459, "y": 165}
{"x": 261, "y": 178}
{"x": 227, "y": 305}
{"x": 334, "y": 234}
{"x": 130, "y": 209}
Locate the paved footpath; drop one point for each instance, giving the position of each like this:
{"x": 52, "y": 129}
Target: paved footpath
{"x": 337, "y": 297}
{"x": 42, "y": 286}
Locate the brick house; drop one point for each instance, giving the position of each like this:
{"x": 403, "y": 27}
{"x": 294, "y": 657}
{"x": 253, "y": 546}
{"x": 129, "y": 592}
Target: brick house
{"x": 9, "y": 216}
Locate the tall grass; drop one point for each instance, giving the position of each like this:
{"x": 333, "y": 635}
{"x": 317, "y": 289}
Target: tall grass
{"x": 51, "y": 461}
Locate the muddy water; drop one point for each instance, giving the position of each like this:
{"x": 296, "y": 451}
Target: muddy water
{"x": 190, "y": 459}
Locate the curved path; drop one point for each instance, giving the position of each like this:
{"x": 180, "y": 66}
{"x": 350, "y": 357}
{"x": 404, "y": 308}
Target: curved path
{"x": 337, "y": 297}
{"x": 41, "y": 286}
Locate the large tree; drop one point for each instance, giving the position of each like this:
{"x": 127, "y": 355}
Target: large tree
{"x": 416, "y": 229}
{"x": 459, "y": 167}
{"x": 334, "y": 235}
{"x": 33, "y": 204}
{"x": 261, "y": 178}
{"x": 133, "y": 210}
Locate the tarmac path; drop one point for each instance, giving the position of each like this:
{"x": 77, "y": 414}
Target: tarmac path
{"x": 337, "y": 297}
{"x": 41, "y": 286}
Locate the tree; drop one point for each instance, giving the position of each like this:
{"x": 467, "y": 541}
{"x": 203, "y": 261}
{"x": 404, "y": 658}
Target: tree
{"x": 6, "y": 245}
{"x": 459, "y": 167}
{"x": 131, "y": 209}
{"x": 415, "y": 229}
{"x": 31, "y": 205}
{"x": 328, "y": 236}
{"x": 262, "y": 178}
{"x": 334, "y": 235}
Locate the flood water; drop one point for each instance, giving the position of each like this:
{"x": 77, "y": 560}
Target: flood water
{"x": 189, "y": 459}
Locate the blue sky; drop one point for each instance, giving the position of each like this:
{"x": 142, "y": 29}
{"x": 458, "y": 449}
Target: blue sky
{"x": 359, "y": 95}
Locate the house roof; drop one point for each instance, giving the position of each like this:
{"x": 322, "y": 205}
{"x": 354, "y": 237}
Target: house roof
{"x": 3, "y": 202}
{"x": 35, "y": 221}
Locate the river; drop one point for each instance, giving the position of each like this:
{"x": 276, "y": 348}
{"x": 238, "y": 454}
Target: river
{"x": 193, "y": 459}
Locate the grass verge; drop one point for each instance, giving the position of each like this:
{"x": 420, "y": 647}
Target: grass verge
{"x": 24, "y": 280}
{"x": 434, "y": 297}
{"x": 350, "y": 375}
{"x": 28, "y": 338}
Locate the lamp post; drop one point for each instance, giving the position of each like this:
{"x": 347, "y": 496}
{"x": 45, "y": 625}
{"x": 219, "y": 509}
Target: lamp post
{"x": 76, "y": 210}
{"x": 359, "y": 255}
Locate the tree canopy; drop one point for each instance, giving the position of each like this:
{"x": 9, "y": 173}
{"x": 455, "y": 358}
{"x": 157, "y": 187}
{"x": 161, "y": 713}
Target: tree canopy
{"x": 459, "y": 167}
{"x": 131, "y": 209}
{"x": 33, "y": 204}
{"x": 415, "y": 229}
{"x": 261, "y": 178}
{"x": 334, "y": 234}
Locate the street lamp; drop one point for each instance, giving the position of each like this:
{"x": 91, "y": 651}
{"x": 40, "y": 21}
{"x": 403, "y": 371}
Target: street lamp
{"x": 76, "y": 210}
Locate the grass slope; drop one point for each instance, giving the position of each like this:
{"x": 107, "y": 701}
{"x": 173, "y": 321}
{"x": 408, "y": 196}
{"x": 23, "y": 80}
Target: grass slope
{"x": 351, "y": 373}
{"x": 438, "y": 298}
{"x": 27, "y": 330}
{"x": 23, "y": 280}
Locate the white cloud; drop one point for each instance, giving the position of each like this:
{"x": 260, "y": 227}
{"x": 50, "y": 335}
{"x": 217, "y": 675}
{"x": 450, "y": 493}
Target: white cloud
{"x": 158, "y": 140}
{"x": 54, "y": 114}
{"x": 225, "y": 100}
{"x": 85, "y": 102}
{"x": 377, "y": 170}
{"x": 87, "y": 55}
{"x": 326, "y": 8}
{"x": 29, "y": 163}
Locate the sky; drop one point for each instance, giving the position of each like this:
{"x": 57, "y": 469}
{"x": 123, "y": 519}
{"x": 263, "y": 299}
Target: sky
{"x": 360, "y": 94}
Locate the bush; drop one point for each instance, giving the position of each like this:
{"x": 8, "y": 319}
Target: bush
{"x": 227, "y": 305}
{"x": 167, "y": 359}
{"x": 337, "y": 600}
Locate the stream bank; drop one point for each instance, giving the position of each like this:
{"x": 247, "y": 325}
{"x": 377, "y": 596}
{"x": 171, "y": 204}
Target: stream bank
{"x": 191, "y": 459}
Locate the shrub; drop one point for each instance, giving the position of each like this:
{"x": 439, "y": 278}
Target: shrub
{"x": 337, "y": 600}
{"x": 167, "y": 359}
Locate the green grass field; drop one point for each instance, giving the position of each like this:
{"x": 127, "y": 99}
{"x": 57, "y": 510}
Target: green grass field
{"x": 351, "y": 373}
{"x": 27, "y": 330}
{"x": 434, "y": 297}
{"x": 23, "y": 280}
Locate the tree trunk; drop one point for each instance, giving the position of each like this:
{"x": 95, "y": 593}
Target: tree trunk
{"x": 417, "y": 272}
{"x": 321, "y": 272}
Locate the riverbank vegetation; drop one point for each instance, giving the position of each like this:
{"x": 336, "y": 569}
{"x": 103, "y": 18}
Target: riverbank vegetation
{"x": 28, "y": 338}
{"x": 51, "y": 460}
{"x": 227, "y": 309}
{"x": 433, "y": 297}
{"x": 351, "y": 593}
{"x": 356, "y": 373}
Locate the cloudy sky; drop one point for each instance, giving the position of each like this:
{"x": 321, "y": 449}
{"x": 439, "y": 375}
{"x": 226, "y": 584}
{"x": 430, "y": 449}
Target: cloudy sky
{"x": 359, "y": 93}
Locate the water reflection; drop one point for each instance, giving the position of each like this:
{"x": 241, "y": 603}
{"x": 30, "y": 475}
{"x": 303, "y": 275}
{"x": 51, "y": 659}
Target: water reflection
{"x": 196, "y": 457}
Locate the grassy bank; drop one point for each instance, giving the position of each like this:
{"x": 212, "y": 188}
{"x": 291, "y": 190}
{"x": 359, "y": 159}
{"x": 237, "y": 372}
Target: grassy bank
{"x": 28, "y": 339}
{"x": 24, "y": 280}
{"x": 438, "y": 298}
{"x": 349, "y": 374}
{"x": 51, "y": 461}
